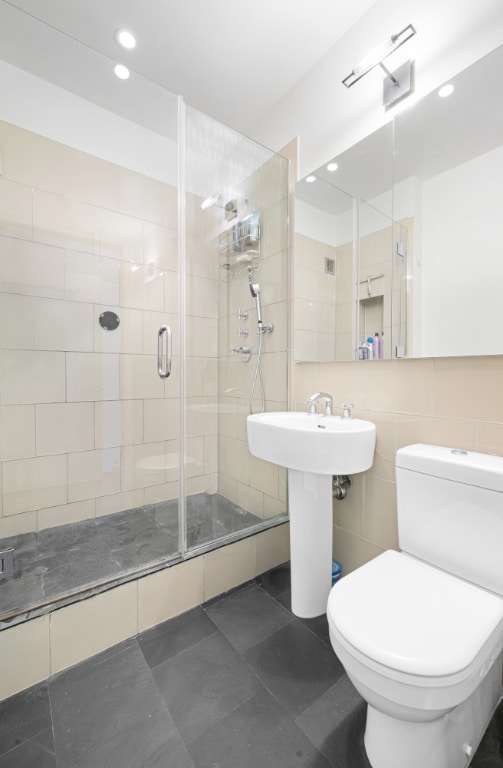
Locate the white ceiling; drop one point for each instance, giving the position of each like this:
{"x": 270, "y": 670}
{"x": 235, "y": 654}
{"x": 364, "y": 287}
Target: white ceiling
{"x": 231, "y": 59}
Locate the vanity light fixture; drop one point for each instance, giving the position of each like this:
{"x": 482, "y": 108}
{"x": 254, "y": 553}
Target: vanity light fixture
{"x": 121, "y": 71}
{"x": 446, "y": 90}
{"x": 397, "y": 84}
{"x": 125, "y": 39}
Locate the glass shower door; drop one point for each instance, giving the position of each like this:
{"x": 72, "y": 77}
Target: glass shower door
{"x": 88, "y": 275}
{"x": 235, "y": 217}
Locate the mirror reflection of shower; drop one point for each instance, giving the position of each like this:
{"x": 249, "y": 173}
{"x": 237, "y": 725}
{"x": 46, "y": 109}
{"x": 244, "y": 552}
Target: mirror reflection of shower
{"x": 261, "y": 329}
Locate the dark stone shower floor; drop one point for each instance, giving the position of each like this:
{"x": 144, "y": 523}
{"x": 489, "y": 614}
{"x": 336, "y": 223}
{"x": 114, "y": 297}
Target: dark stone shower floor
{"x": 71, "y": 559}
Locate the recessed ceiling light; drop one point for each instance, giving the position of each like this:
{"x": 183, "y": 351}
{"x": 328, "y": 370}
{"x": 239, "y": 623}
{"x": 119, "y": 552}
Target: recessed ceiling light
{"x": 121, "y": 71}
{"x": 446, "y": 90}
{"x": 310, "y": 179}
{"x": 125, "y": 38}
{"x": 332, "y": 167}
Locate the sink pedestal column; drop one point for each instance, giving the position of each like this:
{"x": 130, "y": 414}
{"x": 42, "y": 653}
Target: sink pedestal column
{"x": 310, "y": 505}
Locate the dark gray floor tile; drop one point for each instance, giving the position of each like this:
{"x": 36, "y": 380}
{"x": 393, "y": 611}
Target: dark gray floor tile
{"x": 296, "y": 666}
{"x": 203, "y": 684}
{"x": 345, "y": 747}
{"x": 258, "y": 734}
{"x": 166, "y": 516}
{"x": 322, "y": 721}
{"x": 38, "y": 752}
{"x": 148, "y": 547}
{"x": 24, "y": 716}
{"x": 70, "y": 568}
{"x": 277, "y": 583}
{"x": 96, "y": 702}
{"x": 490, "y": 751}
{"x": 21, "y": 591}
{"x": 152, "y": 741}
{"x": 319, "y": 627}
{"x": 178, "y": 634}
{"x": 53, "y": 562}
{"x": 248, "y": 616}
{"x": 132, "y": 519}
{"x": 24, "y": 545}
{"x": 25, "y": 586}
{"x": 53, "y": 540}
{"x": 213, "y": 516}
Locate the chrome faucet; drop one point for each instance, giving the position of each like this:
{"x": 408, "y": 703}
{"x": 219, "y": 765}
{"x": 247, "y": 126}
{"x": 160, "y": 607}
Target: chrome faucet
{"x": 313, "y": 403}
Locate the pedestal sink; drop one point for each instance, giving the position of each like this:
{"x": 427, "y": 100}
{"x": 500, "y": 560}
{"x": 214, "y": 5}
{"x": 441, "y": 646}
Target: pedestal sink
{"x": 313, "y": 448}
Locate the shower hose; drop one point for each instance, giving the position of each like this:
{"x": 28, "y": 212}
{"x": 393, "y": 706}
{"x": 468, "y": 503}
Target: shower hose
{"x": 258, "y": 374}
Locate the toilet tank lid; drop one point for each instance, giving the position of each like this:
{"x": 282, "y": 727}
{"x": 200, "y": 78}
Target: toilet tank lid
{"x": 469, "y": 467}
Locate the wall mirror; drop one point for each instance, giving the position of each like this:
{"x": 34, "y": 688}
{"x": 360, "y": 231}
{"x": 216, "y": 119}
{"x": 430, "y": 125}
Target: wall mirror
{"x": 402, "y": 238}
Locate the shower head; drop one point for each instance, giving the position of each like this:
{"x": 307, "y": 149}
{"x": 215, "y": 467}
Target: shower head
{"x": 254, "y": 289}
{"x": 230, "y": 207}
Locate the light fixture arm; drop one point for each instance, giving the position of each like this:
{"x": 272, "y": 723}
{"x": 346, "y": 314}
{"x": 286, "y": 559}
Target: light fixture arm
{"x": 389, "y": 74}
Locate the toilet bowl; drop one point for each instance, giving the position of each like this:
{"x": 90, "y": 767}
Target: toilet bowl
{"x": 421, "y": 645}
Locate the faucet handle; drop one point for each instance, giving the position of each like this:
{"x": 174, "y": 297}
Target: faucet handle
{"x": 346, "y": 410}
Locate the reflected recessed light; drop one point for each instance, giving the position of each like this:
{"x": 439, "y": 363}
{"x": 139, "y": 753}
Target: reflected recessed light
{"x": 125, "y": 38}
{"x": 121, "y": 71}
{"x": 446, "y": 90}
{"x": 310, "y": 179}
{"x": 332, "y": 167}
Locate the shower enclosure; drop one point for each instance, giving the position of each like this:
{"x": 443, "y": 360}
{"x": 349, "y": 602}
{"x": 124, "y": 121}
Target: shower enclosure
{"x": 129, "y": 237}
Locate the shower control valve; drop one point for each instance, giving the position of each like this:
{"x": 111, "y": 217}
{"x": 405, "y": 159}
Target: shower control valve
{"x": 242, "y": 314}
{"x": 243, "y": 331}
{"x": 244, "y": 351}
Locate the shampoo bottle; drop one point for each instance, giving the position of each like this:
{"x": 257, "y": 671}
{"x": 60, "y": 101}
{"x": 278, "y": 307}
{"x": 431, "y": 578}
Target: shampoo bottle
{"x": 381, "y": 346}
{"x": 377, "y": 347}
{"x": 371, "y": 347}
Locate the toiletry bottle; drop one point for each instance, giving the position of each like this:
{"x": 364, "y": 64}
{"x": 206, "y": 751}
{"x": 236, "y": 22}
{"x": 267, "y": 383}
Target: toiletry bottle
{"x": 376, "y": 347}
{"x": 370, "y": 347}
{"x": 363, "y": 351}
{"x": 381, "y": 346}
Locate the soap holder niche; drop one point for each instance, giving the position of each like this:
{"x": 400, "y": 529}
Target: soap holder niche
{"x": 239, "y": 246}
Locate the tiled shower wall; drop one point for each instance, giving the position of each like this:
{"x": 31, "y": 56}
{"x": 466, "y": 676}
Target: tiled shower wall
{"x": 444, "y": 401}
{"x": 86, "y": 424}
{"x": 256, "y": 485}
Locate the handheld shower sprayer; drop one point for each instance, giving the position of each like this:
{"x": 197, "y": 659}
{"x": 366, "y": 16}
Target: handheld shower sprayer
{"x": 255, "y": 292}
{"x": 261, "y": 329}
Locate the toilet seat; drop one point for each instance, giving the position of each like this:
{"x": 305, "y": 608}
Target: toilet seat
{"x": 413, "y": 620}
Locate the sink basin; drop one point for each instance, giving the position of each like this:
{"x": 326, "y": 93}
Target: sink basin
{"x": 322, "y": 445}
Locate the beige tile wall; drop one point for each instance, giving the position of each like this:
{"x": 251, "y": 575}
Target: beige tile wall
{"x": 258, "y": 486}
{"x": 444, "y": 401}
{"x": 84, "y": 418}
{"x": 44, "y": 646}
{"x": 315, "y": 300}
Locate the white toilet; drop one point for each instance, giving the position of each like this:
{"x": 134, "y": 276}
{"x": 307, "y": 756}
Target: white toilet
{"x": 420, "y": 632}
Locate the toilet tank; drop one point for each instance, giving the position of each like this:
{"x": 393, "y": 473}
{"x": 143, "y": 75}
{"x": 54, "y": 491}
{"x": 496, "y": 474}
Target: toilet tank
{"x": 450, "y": 511}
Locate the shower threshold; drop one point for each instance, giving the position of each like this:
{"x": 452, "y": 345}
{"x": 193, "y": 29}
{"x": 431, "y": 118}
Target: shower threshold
{"x": 59, "y": 566}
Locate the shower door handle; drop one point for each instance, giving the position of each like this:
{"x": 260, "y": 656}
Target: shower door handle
{"x": 164, "y": 372}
